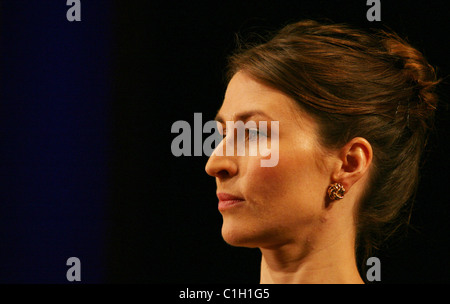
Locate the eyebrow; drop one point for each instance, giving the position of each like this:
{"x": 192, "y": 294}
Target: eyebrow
{"x": 244, "y": 116}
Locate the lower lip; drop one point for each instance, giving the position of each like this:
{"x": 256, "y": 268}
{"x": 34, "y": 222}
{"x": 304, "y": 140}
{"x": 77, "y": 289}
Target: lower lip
{"x": 225, "y": 205}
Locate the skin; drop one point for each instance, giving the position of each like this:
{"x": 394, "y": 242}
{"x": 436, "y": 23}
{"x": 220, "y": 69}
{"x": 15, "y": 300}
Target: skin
{"x": 303, "y": 236}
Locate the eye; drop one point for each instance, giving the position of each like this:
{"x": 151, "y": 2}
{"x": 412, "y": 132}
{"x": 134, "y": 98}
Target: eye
{"x": 254, "y": 133}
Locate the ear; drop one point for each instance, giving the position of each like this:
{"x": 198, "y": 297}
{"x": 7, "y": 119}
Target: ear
{"x": 355, "y": 160}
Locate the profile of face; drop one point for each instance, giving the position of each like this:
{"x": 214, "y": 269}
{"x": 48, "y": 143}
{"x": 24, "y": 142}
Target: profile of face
{"x": 268, "y": 207}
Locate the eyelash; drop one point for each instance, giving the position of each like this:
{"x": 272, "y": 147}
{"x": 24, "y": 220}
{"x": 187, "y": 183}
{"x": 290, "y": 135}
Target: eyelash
{"x": 253, "y": 131}
{"x": 248, "y": 132}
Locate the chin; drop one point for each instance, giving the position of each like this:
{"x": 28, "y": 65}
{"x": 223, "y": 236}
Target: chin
{"x": 239, "y": 235}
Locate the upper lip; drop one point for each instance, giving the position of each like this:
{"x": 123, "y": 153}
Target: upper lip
{"x": 228, "y": 197}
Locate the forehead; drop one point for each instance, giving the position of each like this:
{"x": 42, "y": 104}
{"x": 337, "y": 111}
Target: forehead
{"x": 244, "y": 94}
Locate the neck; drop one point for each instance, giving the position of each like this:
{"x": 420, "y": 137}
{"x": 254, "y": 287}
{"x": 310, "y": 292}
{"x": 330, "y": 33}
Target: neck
{"x": 291, "y": 263}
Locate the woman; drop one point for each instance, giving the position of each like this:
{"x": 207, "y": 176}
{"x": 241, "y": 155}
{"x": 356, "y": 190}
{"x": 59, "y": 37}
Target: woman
{"x": 353, "y": 110}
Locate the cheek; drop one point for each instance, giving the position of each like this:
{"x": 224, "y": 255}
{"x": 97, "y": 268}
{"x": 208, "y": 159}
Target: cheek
{"x": 295, "y": 184}
{"x": 266, "y": 182}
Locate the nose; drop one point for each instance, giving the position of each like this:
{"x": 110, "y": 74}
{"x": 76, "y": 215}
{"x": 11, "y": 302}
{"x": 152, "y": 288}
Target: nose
{"x": 221, "y": 166}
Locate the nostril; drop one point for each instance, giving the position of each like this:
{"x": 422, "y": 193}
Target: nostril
{"x": 222, "y": 174}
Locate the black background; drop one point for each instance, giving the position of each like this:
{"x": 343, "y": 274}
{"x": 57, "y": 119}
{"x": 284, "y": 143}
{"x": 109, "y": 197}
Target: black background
{"x": 139, "y": 214}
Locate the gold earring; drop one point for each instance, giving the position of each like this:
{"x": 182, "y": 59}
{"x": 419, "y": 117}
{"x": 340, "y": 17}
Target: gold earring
{"x": 336, "y": 191}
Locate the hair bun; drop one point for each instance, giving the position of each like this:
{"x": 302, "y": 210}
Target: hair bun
{"x": 417, "y": 71}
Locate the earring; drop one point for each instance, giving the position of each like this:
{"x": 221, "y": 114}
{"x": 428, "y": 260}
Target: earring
{"x": 336, "y": 191}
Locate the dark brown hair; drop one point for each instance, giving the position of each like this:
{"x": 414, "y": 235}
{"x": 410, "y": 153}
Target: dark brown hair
{"x": 356, "y": 83}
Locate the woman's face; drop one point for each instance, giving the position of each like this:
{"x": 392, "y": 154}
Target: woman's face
{"x": 270, "y": 206}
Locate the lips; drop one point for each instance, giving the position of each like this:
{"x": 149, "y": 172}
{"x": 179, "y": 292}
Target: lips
{"x": 228, "y": 201}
